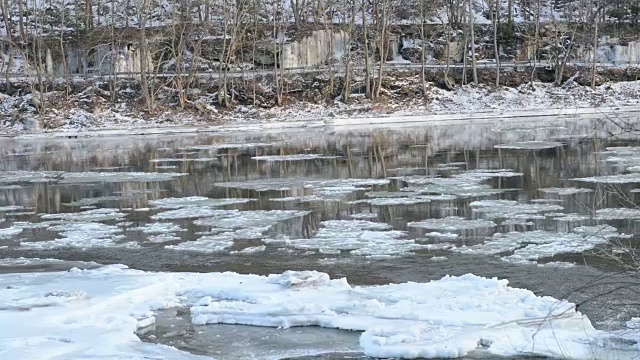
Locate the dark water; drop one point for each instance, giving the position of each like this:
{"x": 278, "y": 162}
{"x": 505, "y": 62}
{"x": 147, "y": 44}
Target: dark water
{"x": 443, "y": 151}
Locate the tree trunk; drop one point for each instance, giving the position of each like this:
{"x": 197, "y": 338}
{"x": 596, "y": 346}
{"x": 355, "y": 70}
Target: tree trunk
{"x": 367, "y": 75}
{"x": 595, "y": 54}
{"x": 496, "y": 49}
{"x": 473, "y": 43}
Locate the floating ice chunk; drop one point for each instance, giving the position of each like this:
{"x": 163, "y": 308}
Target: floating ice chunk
{"x": 437, "y": 234}
{"x": 565, "y": 191}
{"x": 304, "y": 199}
{"x": 297, "y": 157}
{"x": 162, "y": 238}
{"x": 11, "y": 208}
{"x": 534, "y": 245}
{"x": 190, "y": 212}
{"x": 569, "y": 217}
{"x": 438, "y": 258}
{"x": 510, "y": 209}
{"x": 115, "y": 177}
{"x": 280, "y": 184}
{"x": 9, "y": 177}
{"x": 452, "y": 223}
{"x": 159, "y": 228}
{"x": 393, "y": 201}
{"x": 180, "y": 160}
{"x": 445, "y": 318}
{"x": 258, "y": 219}
{"x": 82, "y": 235}
{"x": 21, "y": 261}
{"x": 177, "y": 203}
{"x": 558, "y": 264}
{"x": 482, "y": 174}
{"x": 617, "y": 214}
{"x": 101, "y": 214}
{"x": 9, "y": 232}
{"x": 206, "y": 244}
{"x": 250, "y": 250}
{"x": 358, "y": 237}
{"x": 612, "y": 179}
{"x": 228, "y": 146}
{"x": 364, "y": 215}
{"x": 530, "y": 145}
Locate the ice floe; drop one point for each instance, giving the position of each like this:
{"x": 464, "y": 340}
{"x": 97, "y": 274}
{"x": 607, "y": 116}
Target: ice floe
{"x": 197, "y": 201}
{"x": 297, "y": 157}
{"x": 534, "y": 245}
{"x": 9, "y": 232}
{"x": 511, "y": 209}
{"x": 617, "y": 214}
{"x": 452, "y": 223}
{"x": 358, "y": 237}
{"x": 159, "y": 228}
{"x": 315, "y": 185}
{"x": 565, "y": 191}
{"x": 207, "y": 244}
{"x": 82, "y": 235}
{"x": 100, "y": 214}
{"x": 182, "y": 160}
{"x": 98, "y": 311}
{"x": 530, "y": 145}
{"x": 612, "y": 179}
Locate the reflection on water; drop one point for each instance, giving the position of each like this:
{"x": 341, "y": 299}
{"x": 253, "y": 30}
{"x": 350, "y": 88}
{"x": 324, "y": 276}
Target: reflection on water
{"x": 377, "y": 206}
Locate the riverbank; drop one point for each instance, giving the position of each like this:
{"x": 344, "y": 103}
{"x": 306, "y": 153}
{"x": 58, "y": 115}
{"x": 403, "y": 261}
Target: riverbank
{"x": 88, "y": 113}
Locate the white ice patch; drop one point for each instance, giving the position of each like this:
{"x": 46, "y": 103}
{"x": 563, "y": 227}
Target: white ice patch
{"x": 258, "y": 219}
{"x": 565, "y": 191}
{"x": 101, "y": 214}
{"x": 83, "y": 235}
{"x": 465, "y": 184}
{"x": 364, "y": 215}
{"x": 534, "y": 245}
{"x": 9, "y": 232}
{"x": 444, "y": 318}
{"x": 191, "y": 212}
{"x": 612, "y": 179}
{"x": 182, "y": 160}
{"x": 159, "y": 228}
{"x": 508, "y": 209}
{"x": 530, "y": 145}
{"x": 197, "y": 201}
{"x": 617, "y": 214}
{"x": 207, "y": 244}
{"x": 452, "y": 223}
{"x": 116, "y": 177}
{"x": 358, "y": 237}
{"x": 11, "y": 208}
{"x": 315, "y": 187}
{"x": 297, "y": 157}
{"x": 162, "y": 238}
{"x": 250, "y": 250}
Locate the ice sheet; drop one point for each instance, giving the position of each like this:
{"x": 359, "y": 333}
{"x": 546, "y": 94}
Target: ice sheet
{"x": 81, "y": 314}
{"x": 452, "y": 223}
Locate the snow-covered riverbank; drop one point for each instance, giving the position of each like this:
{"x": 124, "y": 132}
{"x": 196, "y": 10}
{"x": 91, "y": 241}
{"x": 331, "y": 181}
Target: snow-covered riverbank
{"x": 467, "y": 102}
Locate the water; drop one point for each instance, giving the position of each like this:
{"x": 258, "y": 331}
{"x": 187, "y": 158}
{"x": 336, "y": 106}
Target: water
{"x": 266, "y": 203}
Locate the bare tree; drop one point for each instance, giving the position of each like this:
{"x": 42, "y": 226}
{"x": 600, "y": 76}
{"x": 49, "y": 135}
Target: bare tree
{"x": 473, "y": 43}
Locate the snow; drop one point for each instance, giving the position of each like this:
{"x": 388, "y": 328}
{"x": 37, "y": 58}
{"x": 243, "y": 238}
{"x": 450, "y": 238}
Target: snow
{"x": 452, "y": 223}
{"x": 95, "y": 313}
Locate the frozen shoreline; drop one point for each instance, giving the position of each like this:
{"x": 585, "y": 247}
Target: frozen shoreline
{"x": 389, "y": 121}
{"x": 97, "y": 313}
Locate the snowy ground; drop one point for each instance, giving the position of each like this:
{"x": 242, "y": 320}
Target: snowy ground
{"x": 465, "y": 100}
{"x": 82, "y": 314}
